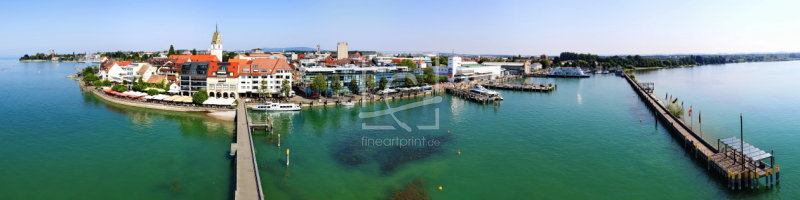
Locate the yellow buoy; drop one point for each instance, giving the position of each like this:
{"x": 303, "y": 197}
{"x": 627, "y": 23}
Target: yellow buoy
{"x": 440, "y": 187}
{"x": 448, "y": 131}
{"x": 459, "y": 152}
{"x": 640, "y": 120}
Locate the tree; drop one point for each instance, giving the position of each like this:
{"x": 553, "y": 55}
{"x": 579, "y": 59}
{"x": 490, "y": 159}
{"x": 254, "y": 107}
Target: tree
{"x": 482, "y": 60}
{"x": 428, "y": 70}
{"x": 382, "y": 83}
{"x": 194, "y": 51}
{"x": 430, "y": 79}
{"x": 545, "y": 63}
{"x": 106, "y": 83}
{"x": 285, "y": 88}
{"x": 119, "y": 88}
{"x": 336, "y": 85}
{"x": 370, "y": 82}
{"x": 90, "y": 78}
{"x": 262, "y": 89}
{"x": 408, "y": 63}
{"x": 228, "y": 55}
{"x": 419, "y": 79}
{"x": 152, "y": 92}
{"x": 171, "y": 51}
{"x": 200, "y": 97}
{"x": 435, "y": 61}
{"x": 318, "y": 84}
{"x": 353, "y": 86}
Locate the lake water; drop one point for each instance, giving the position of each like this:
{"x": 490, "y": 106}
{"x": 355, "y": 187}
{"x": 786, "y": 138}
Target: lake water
{"x": 583, "y": 140}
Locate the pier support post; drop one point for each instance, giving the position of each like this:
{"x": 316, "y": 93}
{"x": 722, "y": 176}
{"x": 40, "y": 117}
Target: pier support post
{"x": 730, "y": 180}
{"x": 746, "y": 179}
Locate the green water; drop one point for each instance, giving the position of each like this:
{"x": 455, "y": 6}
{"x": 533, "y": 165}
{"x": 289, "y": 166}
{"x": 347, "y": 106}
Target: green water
{"x": 58, "y": 143}
{"x": 582, "y": 141}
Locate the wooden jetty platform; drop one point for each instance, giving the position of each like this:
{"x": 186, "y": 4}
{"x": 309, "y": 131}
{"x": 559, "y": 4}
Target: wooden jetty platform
{"x": 248, "y": 181}
{"x": 472, "y": 96}
{"x": 740, "y": 163}
{"x": 521, "y": 87}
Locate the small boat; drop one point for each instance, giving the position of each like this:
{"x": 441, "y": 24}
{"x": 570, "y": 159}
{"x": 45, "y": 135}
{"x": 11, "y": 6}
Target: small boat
{"x": 276, "y": 107}
{"x": 348, "y": 103}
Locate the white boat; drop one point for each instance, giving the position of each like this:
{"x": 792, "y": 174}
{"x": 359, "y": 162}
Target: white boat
{"x": 481, "y": 90}
{"x": 276, "y": 107}
{"x": 348, "y": 103}
{"x": 568, "y": 72}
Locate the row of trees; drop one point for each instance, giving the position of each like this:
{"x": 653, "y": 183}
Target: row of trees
{"x": 320, "y": 85}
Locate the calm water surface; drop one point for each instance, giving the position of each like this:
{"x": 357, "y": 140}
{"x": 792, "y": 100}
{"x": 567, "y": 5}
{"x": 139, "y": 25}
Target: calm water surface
{"x": 583, "y": 140}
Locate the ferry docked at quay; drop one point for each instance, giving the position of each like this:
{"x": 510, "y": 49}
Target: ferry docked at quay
{"x": 568, "y": 72}
{"x": 482, "y": 90}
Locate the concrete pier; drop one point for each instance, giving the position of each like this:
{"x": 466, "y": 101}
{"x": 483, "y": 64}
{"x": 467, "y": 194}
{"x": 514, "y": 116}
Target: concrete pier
{"x": 729, "y": 163}
{"x": 248, "y": 182}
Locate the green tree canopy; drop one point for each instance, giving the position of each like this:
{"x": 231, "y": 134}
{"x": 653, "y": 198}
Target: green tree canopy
{"x": 200, "y": 97}
{"x": 171, "y": 51}
{"x": 336, "y": 84}
{"x": 408, "y": 63}
{"x": 370, "y": 82}
{"x": 285, "y": 88}
{"x": 353, "y": 86}
{"x": 545, "y": 63}
{"x": 382, "y": 83}
{"x": 319, "y": 84}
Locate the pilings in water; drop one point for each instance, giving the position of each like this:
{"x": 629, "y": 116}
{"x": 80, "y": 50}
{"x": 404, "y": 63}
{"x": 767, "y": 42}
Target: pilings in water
{"x": 739, "y": 173}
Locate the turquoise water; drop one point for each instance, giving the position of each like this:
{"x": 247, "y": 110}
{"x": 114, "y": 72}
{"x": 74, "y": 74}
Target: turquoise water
{"x": 582, "y": 141}
{"x": 58, "y": 143}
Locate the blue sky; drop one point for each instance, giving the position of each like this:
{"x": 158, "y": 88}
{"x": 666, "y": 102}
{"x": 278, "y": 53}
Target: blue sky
{"x": 474, "y": 27}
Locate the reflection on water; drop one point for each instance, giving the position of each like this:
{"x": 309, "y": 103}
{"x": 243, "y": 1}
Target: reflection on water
{"x": 145, "y": 118}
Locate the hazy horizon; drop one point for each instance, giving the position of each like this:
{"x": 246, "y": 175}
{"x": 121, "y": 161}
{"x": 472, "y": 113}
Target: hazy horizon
{"x": 467, "y": 27}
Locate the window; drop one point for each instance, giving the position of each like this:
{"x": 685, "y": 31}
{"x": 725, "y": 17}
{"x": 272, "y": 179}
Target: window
{"x": 263, "y": 76}
{"x": 211, "y": 87}
{"x": 246, "y": 70}
{"x": 255, "y": 71}
{"x": 255, "y": 82}
{"x": 255, "y": 87}
{"x": 243, "y": 87}
{"x": 243, "y": 82}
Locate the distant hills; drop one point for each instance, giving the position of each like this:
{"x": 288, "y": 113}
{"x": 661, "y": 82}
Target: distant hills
{"x": 267, "y": 49}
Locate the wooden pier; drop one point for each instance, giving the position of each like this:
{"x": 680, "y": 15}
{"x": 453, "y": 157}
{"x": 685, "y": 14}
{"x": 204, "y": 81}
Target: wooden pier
{"x": 248, "y": 181}
{"x": 740, "y": 163}
{"x": 472, "y": 96}
{"x": 521, "y": 87}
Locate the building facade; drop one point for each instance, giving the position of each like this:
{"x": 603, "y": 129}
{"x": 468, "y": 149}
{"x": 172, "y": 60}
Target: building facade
{"x": 216, "y": 45}
{"x": 341, "y": 50}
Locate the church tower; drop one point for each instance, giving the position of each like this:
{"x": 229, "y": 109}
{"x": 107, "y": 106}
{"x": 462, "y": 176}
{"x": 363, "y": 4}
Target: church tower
{"x": 216, "y": 44}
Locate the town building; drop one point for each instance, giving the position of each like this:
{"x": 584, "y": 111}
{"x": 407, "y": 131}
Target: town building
{"x": 263, "y": 76}
{"x": 223, "y": 79}
{"x": 193, "y": 77}
{"x": 216, "y": 45}
{"x": 252, "y": 56}
{"x": 395, "y": 75}
{"x": 458, "y": 70}
{"x": 117, "y": 72}
{"x": 341, "y": 50}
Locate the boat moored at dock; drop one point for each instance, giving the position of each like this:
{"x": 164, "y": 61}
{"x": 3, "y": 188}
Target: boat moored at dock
{"x": 568, "y": 72}
{"x": 269, "y": 106}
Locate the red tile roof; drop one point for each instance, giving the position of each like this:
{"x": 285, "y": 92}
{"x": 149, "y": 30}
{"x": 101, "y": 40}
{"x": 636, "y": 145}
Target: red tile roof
{"x": 266, "y": 66}
{"x": 215, "y": 67}
{"x": 204, "y": 58}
